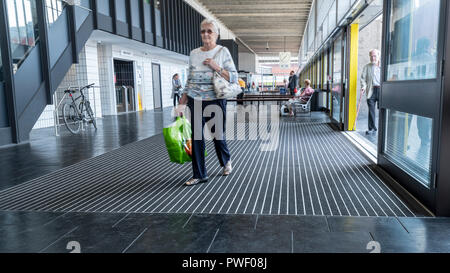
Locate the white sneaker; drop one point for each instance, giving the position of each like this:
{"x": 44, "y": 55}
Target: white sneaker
{"x": 227, "y": 169}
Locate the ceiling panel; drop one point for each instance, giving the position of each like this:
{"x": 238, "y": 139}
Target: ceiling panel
{"x": 277, "y": 23}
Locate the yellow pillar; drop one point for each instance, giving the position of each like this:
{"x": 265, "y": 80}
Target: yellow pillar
{"x": 353, "y": 76}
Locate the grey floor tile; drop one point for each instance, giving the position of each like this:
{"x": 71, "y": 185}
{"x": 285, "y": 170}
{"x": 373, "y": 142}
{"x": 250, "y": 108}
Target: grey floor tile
{"x": 22, "y": 221}
{"x": 364, "y": 224}
{"x": 426, "y": 225}
{"x": 392, "y": 242}
{"x": 95, "y": 233}
{"x": 287, "y": 223}
{"x": 332, "y": 242}
{"x": 251, "y": 241}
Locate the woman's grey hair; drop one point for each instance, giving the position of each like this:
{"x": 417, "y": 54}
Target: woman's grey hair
{"x": 215, "y": 26}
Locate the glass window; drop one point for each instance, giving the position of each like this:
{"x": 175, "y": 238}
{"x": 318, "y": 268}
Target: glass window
{"x": 54, "y": 9}
{"x": 158, "y": 28}
{"x": 325, "y": 69}
{"x": 312, "y": 28}
{"x": 337, "y": 78}
{"x": 104, "y": 8}
{"x": 121, "y": 10}
{"x": 148, "y": 17}
{"x": 409, "y": 144}
{"x": 1, "y": 68}
{"x": 332, "y": 17}
{"x": 23, "y": 28}
{"x": 413, "y": 31}
{"x": 343, "y": 8}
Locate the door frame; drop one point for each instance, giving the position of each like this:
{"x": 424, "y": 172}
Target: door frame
{"x": 133, "y": 62}
{"x": 160, "y": 87}
{"x": 396, "y": 101}
{"x": 342, "y": 35}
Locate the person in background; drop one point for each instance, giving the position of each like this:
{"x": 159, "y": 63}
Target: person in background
{"x": 304, "y": 97}
{"x": 254, "y": 87}
{"x": 293, "y": 82}
{"x": 370, "y": 85}
{"x": 241, "y": 96}
{"x": 176, "y": 89}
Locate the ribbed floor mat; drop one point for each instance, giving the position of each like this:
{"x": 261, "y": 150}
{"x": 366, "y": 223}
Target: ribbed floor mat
{"x": 313, "y": 171}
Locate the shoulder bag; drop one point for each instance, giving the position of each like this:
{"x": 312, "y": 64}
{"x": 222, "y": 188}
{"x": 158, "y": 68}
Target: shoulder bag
{"x": 223, "y": 88}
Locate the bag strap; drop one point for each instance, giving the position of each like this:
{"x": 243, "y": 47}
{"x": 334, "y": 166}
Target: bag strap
{"x": 217, "y": 54}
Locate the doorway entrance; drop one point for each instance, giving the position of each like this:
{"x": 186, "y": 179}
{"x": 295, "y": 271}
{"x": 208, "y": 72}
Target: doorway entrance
{"x": 124, "y": 86}
{"x": 157, "y": 95}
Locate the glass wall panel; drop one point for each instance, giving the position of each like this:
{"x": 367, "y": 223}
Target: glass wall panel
{"x": 136, "y": 18}
{"x": 158, "y": 27}
{"x": 1, "y": 68}
{"x": 409, "y": 143}
{"x": 319, "y": 66}
{"x": 325, "y": 69}
{"x": 332, "y": 17}
{"x": 343, "y": 8}
{"x": 54, "y": 9}
{"x": 337, "y": 78}
{"x": 121, "y": 10}
{"x": 104, "y": 7}
{"x": 4, "y": 121}
{"x": 148, "y": 16}
{"x": 311, "y": 29}
{"x": 23, "y": 28}
{"x": 413, "y": 32}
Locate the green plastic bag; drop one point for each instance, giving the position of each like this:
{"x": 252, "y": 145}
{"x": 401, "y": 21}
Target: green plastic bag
{"x": 178, "y": 138}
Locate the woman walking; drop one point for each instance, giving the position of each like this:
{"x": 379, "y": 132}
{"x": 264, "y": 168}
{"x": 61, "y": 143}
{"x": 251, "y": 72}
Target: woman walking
{"x": 176, "y": 89}
{"x": 199, "y": 93}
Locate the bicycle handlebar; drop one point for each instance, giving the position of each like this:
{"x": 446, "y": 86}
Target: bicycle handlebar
{"x": 70, "y": 90}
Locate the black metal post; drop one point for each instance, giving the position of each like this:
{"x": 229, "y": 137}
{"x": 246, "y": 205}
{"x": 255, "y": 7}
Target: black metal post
{"x": 8, "y": 72}
{"x": 44, "y": 46}
{"x": 73, "y": 32}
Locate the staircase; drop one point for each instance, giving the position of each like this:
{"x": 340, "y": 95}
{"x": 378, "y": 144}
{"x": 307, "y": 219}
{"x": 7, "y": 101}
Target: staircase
{"x": 47, "y": 63}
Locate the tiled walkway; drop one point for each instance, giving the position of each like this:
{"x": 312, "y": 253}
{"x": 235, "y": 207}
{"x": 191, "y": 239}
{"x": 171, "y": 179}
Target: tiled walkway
{"x": 25, "y": 231}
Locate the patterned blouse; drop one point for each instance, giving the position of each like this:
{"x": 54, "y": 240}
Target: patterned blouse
{"x": 200, "y": 77}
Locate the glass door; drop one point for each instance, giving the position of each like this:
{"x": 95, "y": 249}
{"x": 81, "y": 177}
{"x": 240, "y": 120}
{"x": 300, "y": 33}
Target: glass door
{"x": 337, "y": 86}
{"x": 411, "y": 93}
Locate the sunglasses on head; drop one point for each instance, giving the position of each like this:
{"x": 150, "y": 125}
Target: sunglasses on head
{"x": 203, "y": 31}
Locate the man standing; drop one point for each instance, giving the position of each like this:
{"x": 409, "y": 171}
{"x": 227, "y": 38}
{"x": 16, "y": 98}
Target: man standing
{"x": 292, "y": 83}
{"x": 370, "y": 83}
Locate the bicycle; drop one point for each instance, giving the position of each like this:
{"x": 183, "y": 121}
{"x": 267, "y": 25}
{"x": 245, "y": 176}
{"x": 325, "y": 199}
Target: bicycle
{"x": 74, "y": 114}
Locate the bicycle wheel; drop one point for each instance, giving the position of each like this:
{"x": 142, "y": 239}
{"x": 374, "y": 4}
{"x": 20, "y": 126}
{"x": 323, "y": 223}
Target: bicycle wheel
{"x": 71, "y": 118}
{"x": 91, "y": 114}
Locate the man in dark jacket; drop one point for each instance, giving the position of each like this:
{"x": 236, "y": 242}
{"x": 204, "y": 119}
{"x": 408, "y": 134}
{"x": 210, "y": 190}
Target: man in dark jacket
{"x": 292, "y": 82}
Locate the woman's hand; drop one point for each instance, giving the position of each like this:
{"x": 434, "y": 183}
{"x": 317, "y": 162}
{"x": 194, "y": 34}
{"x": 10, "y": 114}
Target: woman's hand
{"x": 212, "y": 64}
{"x": 179, "y": 111}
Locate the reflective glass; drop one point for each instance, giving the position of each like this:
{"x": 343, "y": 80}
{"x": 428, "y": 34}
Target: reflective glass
{"x": 413, "y": 31}
{"x": 332, "y": 17}
{"x": 325, "y": 71}
{"x": 343, "y": 8}
{"x": 409, "y": 144}
{"x": 1, "y": 68}
{"x": 337, "y": 78}
{"x": 23, "y": 28}
{"x": 54, "y": 10}
{"x": 158, "y": 28}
